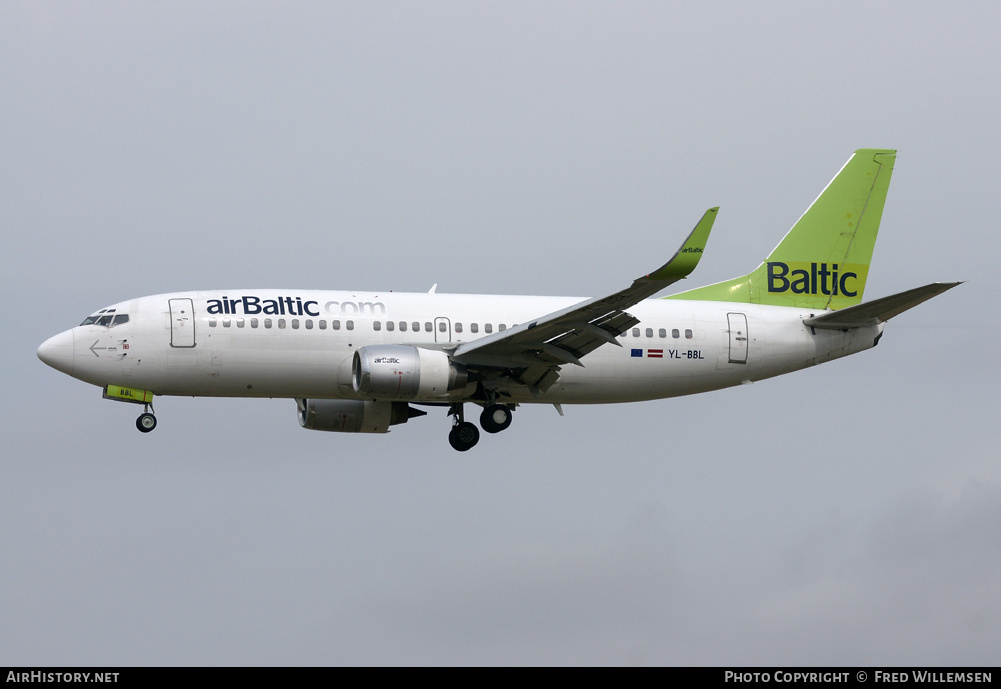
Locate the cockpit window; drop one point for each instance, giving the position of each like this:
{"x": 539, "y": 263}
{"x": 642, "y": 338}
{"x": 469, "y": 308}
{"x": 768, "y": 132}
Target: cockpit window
{"x": 106, "y": 317}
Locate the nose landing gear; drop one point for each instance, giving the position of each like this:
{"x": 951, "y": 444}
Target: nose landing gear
{"x": 146, "y": 421}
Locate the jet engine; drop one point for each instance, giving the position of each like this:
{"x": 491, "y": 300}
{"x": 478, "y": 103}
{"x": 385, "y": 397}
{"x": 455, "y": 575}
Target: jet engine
{"x": 403, "y": 372}
{"x": 354, "y": 416}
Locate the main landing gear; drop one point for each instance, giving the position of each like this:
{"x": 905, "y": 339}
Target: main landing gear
{"x": 146, "y": 421}
{"x": 463, "y": 436}
{"x": 494, "y": 419}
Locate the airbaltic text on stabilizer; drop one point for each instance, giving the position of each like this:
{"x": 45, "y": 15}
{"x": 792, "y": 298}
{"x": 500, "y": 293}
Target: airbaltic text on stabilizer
{"x": 809, "y": 281}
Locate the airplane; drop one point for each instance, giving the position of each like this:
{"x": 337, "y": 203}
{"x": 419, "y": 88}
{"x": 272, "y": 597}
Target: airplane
{"x": 360, "y": 362}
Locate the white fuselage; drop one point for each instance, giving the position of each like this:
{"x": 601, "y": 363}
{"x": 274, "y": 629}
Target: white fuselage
{"x": 299, "y": 344}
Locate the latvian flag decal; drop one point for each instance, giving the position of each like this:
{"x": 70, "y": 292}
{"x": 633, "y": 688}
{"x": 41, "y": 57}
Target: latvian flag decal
{"x": 651, "y": 353}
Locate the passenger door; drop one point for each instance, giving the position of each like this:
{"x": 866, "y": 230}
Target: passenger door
{"x": 182, "y": 323}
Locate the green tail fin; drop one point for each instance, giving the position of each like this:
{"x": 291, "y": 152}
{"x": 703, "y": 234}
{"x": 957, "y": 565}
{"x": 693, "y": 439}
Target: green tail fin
{"x": 823, "y": 262}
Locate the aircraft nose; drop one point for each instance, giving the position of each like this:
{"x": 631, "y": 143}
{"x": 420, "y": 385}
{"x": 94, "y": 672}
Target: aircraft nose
{"x": 57, "y": 352}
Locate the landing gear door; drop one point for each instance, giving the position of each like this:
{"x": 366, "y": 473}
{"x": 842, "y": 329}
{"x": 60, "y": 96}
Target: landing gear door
{"x": 737, "y": 323}
{"x": 182, "y": 323}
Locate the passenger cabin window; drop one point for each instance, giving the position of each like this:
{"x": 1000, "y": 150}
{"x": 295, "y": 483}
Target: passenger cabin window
{"x": 390, "y": 326}
{"x": 376, "y": 325}
{"x": 267, "y": 322}
{"x": 636, "y": 332}
{"x": 240, "y": 323}
{"x": 336, "y": 325}
{"x": 676, "y": 333}
{"x": 253, "y": 322}
{"x": 226, "y": 322}
{"x": 281, "y": 323}
{"x": 428, "y": 327}
{"x": 662, "y": 333}
{"x": 295, "y": 324}
{"x": 474, "y": 327}
{"x": 688, "y": 334}
{"x": 649, "y": 332}
{"x": 350, "y": 325}
{"x": 403, "y": 326}
{"x": 458, "y": 327}
{"x": 212, "y": 322}
{"x": 501, "y": 327}
{"x": 309, "y": 324}
{"x": 488, "y": 327}
{"x": 323, "y": 325}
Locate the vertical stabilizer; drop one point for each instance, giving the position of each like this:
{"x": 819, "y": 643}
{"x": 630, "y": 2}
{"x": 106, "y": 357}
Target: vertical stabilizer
{"x": 823, "y": 262}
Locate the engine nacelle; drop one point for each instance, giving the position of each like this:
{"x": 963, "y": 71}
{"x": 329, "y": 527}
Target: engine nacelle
{"x": 353, "y": 416}
{"x": 403, "y": 372}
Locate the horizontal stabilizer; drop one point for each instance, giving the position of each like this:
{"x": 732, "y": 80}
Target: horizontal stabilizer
{"x": 879, "y": 310}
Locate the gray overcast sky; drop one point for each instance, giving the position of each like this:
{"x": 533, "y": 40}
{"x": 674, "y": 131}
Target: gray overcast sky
{"x": 848, "y": 514}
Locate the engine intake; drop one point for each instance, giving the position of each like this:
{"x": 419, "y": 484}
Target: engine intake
{"x": 354, "y": 416}
{"x": 394, "y": 372}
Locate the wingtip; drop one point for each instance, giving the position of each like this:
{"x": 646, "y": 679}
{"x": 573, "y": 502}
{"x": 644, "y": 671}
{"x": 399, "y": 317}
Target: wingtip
{"x": 687, "y": 257}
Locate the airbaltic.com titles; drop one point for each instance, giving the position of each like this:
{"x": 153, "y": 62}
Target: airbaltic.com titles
{"x": 785, "y": 676}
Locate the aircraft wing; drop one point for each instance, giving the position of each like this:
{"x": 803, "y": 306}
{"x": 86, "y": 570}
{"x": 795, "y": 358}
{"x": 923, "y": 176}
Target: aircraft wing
{"x": 565, "y": 337}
